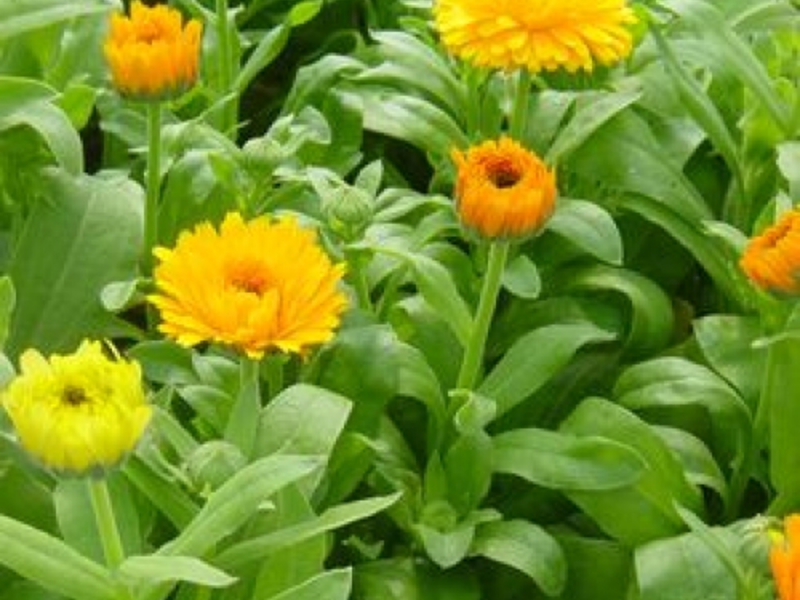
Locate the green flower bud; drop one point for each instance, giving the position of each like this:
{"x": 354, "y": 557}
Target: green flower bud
{"x": 213, "y": 463}
{"x": 348, "y": 211}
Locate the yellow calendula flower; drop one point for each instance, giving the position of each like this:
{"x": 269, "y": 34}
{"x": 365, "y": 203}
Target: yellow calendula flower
{"x": 772, "y": 260}
{"x": 537, "y": 36}
{"x": 784, "y": 559}
{"x": 152, "y": 55}
{"x": 79, "y": 413}
{"x": 503, "y": 190}
{"x": 256, "y": 285}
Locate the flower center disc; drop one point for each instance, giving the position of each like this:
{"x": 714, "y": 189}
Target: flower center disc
{"x": 73, "y": 395}
{"x": 504, "y": 175}
{"x": 249, "y": 278}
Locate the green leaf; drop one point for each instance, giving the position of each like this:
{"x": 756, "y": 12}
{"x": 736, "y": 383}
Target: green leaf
{"x": 267, "y": 50}
{"x": 521, "y": 278}
{"x": 649, "y": 502}
{"x": 596, "y": 564}
{"x": 52, "y": 564}
{"x": 93, "y": 232}
{"x": 589, "y": 227}
{"x": 155, "y": 568}
{"x": 163, "y": 492}
{"x": 21, "y": 16}
{"x": 229, "y": 507}
{"x": 8, "y": 300}
{"x": 448, "y": 544}
{"x": 592, "y": 111}
{"x": 27, "y": 102}
{"x": 330, "y": 585}
{"x": 302, "y": 12}
{"x": 258, "y": 548}
{"x": 566, "y": 462}
{"x": 526, "y": 547}
{"x": 535, "y": 358}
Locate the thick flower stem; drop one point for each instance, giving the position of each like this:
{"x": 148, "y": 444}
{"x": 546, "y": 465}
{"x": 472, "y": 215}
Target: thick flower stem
{"x": 519, "y": 109}
{"x": 358, "y": 277}
{"x": 242, "y": 424}
{"x": 153, "y": 184}
{"x": 473, "y": 353}
{"x": 106, "y": 523}
{"x": 229, "y": 116}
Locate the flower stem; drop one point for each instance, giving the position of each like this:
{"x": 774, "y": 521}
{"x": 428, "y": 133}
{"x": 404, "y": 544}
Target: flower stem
{"x": 473, "y": 353}
{"x": 153, "y": 184}
{"x": 106, "y": 523}
{"x": 355, "y": 264}
{"x": 229, "y": 118}
{"x": 274, "y": 373}
{"x": 242, "y": 424}
{"x": 519, "y": 109}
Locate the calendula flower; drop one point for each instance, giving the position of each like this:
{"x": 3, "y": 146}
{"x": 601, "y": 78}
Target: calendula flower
{"x": 152, "y": 55}
{"x": 784, "y": 558}
{"x": 80, "y": 412}
{"x": 503, "y": 190}
{"x": 253, "y": 285}
{"x": 537, "y": 36}
{"x": 772, "y": 260}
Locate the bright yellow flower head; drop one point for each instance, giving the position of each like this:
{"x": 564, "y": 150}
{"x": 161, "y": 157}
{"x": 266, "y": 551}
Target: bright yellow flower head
{"x": 78, "y": 413}
{"x": 538, "y": 36}
{"x": 772, "y": 260}
{"x": 503, "y": 190}
{"x": 253, "y": 285}
{"x": 784, "y": 558}
{"x": 151, "y": 54}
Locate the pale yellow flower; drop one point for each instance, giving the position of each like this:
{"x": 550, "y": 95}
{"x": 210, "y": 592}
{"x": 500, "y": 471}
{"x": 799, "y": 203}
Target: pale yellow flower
{"x": 80, "y": 412}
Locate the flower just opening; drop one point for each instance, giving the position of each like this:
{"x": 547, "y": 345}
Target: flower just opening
{"x": 772, "y": 260}
{"x": 503, "y": 190}
{"x": 553, "y": 34}
{"x": 253, "y": 285}
{"x": 151, "y": 54}
{"x": 784, "y": 558}
{"x": 80, "y": 412}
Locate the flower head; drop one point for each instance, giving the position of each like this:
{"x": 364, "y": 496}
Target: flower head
{"x": 772, "y": 260}
{"x": 80, "y": 412}
{"x": 784, "y": 558}
{"x": 253, "y": 285}
{"x": 503, "y": 190}
{"x": 546, "y": 35}
{"x": 152, "y": 55}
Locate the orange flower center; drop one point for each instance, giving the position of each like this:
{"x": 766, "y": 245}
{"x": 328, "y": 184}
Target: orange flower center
{"x": 149, "y": 32}
{"x": 250, "y": 278}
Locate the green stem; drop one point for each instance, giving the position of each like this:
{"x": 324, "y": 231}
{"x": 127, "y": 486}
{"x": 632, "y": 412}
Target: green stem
{"x": 472, "y": 79}
{"x": 229, "y": 117}
{"x": 358, "y": 277}
{"x": 106, "y": 523}
{"x": 274, "y": 369}
{"x": 153, "y": 184}
{"x": 473, "y": 353}
{"x": 519, "y": 109}
{"x": 242, "y": 424}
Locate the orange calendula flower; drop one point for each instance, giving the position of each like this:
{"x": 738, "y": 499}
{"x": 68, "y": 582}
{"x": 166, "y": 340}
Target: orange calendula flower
{"x": 503, "y": 190}
{"x": 772, "y": 260}
{"x": 256, "y": 285}
{"x": 537, "y": 36}
{"x": 784, "y": 558}
{"x": 152, "y": 55}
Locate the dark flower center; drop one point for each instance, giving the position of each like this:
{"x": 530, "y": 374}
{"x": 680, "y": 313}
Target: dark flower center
{"x": 74, "y": 395}
{"x": 504, "y": 175}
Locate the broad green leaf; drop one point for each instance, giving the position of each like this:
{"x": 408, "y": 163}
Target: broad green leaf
{"x": 267, "y": 50}
{"x": 521, "y": 278}
{"x": 156, "y": 568}
{"x": 535, "y": 358}
{"x": 407, "y": 579}
{"x": 589, "y": 227}
{"x": 412, "y": 120}
{"x": 695, "y": 457}
{"x": 52, "y": 564}
{"x": 93, "y": 230}
{"x": 647, "y": 502}
{"x": 163, "y": 492}
{"x": 526, "y": 547}
{"x": 21, "y": 16}
{"x": 302, "y": 12}
{"x": 329, "y": 585}
{"x": 562, "y": 461}
{"x": 592, "y": 110}
{"x": 596, "y": 564}
{"x": 681, "y": 568}
{"x": 447, "y": 544}
{"x": 258, "y": 548}
{"x": 164, "y": 362}
{"x": 651, "y": 313}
